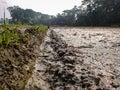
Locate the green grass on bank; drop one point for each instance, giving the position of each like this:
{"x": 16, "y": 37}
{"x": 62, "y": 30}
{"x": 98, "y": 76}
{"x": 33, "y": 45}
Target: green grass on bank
{"x": 9, "y": 33}
{"x": 7, "y": 37}
{"x": 18, "y": 51}
{"x": 18, "y": 44}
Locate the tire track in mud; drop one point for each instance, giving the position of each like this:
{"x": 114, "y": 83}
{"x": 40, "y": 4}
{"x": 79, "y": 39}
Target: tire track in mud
{"x": 63, "y": 67}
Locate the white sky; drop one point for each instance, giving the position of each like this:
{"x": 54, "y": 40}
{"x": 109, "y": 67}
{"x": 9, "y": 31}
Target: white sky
{"x": 3, "y": 5}
{"x": 51, "y": 7}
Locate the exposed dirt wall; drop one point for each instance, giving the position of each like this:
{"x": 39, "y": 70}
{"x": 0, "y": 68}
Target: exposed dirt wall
{"x": 17, "y": 61}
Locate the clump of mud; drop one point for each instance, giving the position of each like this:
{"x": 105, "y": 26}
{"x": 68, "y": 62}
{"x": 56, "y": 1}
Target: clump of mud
{"x": 17, "y": 61}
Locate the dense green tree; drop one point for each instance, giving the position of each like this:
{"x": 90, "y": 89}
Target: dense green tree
{"x": 28, "y": 16}
{"x": 89, "y": 13}
{"x": 102, "y": 12}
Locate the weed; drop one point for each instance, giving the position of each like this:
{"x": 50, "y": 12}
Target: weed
{"x": 40, "y": 28}
{"x": 7, "y": 37}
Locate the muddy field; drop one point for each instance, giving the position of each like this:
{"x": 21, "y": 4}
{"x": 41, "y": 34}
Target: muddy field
{"x": 78, "y": 59}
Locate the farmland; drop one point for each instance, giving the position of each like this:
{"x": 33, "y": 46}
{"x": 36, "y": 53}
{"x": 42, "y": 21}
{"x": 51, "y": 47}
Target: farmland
{"x": 78, "y": 59}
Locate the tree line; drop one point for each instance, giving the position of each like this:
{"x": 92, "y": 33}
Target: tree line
{"x": 89, "y": 13}
{"x": 28, "y": 16}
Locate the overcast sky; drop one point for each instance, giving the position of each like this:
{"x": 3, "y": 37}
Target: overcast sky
{"x": 3, "y": 5}
{"x": 51, "y": 7}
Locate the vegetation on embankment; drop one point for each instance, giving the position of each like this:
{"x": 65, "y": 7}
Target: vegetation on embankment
{"x": 18, "y": 50}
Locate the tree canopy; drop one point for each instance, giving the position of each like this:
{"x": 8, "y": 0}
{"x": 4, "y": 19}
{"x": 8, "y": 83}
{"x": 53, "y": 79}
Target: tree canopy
{"x": 89, "y": 13}
{"x": 93, "y": 13}
{"x": 28, "y": 16}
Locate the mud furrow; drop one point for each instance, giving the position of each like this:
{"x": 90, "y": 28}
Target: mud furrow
{"x": 64, "y": 67}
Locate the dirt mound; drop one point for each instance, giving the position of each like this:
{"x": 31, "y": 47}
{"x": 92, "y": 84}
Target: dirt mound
{"x": 17, "y": 61}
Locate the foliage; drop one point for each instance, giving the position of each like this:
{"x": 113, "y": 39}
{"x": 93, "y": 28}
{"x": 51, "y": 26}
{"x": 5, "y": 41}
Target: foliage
{"x": 28, "y": 16}
{"x": 92, "y": 13}
{"x": 40, "y": 28}
{"x": 10, "y": 34}
{"x": 89, "y": 13}
{"x": 7, "y": 37}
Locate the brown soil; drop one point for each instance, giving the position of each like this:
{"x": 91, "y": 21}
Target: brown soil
{"x": 17, "y": 61}
{"x": 78, "y": 59}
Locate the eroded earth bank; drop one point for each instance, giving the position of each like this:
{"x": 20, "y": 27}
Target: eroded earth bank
{"x": 78, "y": 59}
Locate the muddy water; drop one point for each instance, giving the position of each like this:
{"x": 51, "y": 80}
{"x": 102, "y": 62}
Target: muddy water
{"x": 78, "y": 59}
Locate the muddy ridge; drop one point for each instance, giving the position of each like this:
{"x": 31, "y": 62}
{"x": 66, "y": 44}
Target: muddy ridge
{"x": 17, "y": 61}
{"x": 63, "y": 66}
